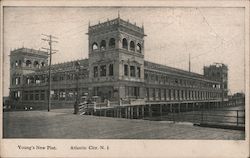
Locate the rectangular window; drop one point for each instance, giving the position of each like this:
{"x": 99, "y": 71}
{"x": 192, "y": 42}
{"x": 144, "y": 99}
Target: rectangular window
{"x": 151, "y": 94}
{"x": 42, "y": 79}
{"x": 174, "y": 93}
{"x": 132, "y": 71}
{"x": 42, "y": 95}
{"x": 146, "y": 77}
{"x": 18, "y": 81}
{"x": 152, "y": 77}
{"x": 147, "y": 93}
{"x": 163, "y": 94}
{"x": 157, "y": 94}
{"x": 156, "y": 78}
{"x": 166, "y": 80}
{"x": 126, "y": 70}
{"x": 133, "y": 91}
{"x": 25, "y": 95}
{"x": 56, "y": 95}
{"x": 68, "y": 76}
{"x": 169, "y": 94}
{"x": 176, "y": 81}
{"x": 162, "y": 80}
{"x": 36, "y": 95}
{"x": 103, "y": 70}
{"x": 126, "y": 91}
{"x": 17, "y": 95}
{"x": 62, "y": 95}
{"x": 178, "y": 94}
{"x": 61, "y": 78}
{"x": 138, "y": 72}
{"x": 111, "y": 70}
{"x": 31, "y": 95}
{"x": 184, "y": 94}
{"x": 70, "y": 95}
{"x": 137, "y": 91}
{"x": 95, "y": 71}
{"x": 54, "y": 78}
{"x": 37, "y": 81}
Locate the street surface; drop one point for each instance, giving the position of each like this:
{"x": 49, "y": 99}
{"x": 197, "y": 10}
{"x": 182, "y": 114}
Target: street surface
{"x": 63, "y": 124}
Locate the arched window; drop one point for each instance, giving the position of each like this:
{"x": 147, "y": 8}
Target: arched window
{"x": 132, "y": 46}
{"x": 42, "y": 64}
{"x": 125, "y": 43}
{"x": 16, "y": 63}
{"x": 111, "y": 70}
{"x": 32, "y": 79}
{"x": 94, "y": 46}
{"x": 20, "y": 63}
{"x": 27, "y": 80}
{"x": 36, "y": 64}
{"x": 138, "y": 48}
{"x": 103, "y": 45}
{"x": 112, "y": 43}
{"x": 28, "y": 63}
{"x": 37, "y": 80}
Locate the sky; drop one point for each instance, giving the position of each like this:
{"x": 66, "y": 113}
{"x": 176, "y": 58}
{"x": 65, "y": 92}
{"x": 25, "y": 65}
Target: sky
{"x": 209, "y": 35}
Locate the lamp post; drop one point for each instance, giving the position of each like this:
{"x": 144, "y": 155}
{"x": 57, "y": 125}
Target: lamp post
{"x": 76, "y": 105}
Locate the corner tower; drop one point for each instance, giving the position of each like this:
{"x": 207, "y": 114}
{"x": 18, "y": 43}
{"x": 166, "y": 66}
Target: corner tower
{"x": 24, "y": 61}
{"x": 218, "y": 72}
{"x": 116, "y": 58}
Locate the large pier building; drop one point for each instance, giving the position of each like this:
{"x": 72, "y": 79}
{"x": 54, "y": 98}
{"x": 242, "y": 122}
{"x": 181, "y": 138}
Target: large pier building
{"x": 115, "y": 70}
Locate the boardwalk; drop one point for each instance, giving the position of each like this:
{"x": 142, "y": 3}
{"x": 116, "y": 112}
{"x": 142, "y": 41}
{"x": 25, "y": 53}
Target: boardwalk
{"x": 234, "y": 116}
{"x": 62, "y": 124}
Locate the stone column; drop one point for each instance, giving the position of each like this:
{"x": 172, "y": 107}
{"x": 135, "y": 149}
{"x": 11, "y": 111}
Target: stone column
{"x": 137, "y": 112}
{"x": 128, "y": 69}
{"x": 120, "y": 112}
{"x": 179, "y": 107}
{"x": 115, "y": 112}
{"x": 129, "y": 112}
{"x": 142, "y": 110}
{"x": 132, "y": 112}
{"x": 126, "y": 111}
{"x": 150, "y": 110}
{"x": 161, "y": 111}
{"x": 105, "y": 112}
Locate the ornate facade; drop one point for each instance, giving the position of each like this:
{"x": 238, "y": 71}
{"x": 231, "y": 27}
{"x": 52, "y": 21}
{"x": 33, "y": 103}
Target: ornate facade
{"x": 114, "y": 70}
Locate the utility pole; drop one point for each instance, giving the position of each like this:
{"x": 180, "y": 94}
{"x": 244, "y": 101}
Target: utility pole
{"x": 189, "y": 63}
{"x": 49, "y": 39}
{"x": 76, "y": 105}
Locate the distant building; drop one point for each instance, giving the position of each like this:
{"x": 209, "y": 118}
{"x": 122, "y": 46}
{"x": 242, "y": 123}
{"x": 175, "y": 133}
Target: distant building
{"x": 6, "y": 103}
{"x": 115, "y": 70}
